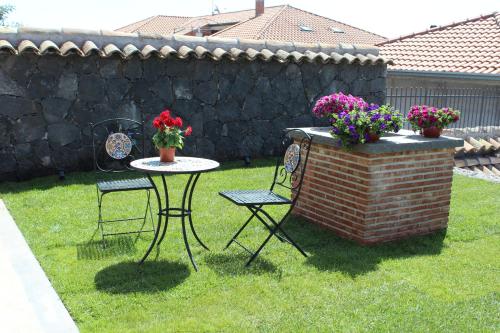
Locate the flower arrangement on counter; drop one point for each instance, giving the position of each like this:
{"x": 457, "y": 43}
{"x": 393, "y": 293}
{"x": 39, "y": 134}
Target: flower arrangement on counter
{"x": 354, "y": 121}
{"x": 169, "y": 135}
{"x": 429, "y": 120}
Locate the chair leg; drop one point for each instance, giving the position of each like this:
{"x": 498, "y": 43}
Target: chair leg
{"x": 272, "y": 232}
{"x": 151, "y": 211}
{"x": 145, "y": 216}
{"x": 100, "y": 221}
{"x": 278, "y": 227}
{"x": 240, "y": 230}
{"x": 253, "y": 209}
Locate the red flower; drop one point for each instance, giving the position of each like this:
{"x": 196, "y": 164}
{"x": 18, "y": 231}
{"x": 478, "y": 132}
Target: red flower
{"x": 165, "y": 115}
{"x": 178, "y": 122}
{"x": 169, "y": 122}
{"x": 157, "y": 123}
{"x": 189, "y": 131}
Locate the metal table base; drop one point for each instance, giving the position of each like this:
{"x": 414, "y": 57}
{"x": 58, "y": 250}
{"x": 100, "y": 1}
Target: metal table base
{"x": 185, "y": 211}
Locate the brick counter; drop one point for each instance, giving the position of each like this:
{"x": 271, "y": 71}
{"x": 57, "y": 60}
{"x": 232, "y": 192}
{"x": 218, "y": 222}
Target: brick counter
{"x": 392, "y": 189}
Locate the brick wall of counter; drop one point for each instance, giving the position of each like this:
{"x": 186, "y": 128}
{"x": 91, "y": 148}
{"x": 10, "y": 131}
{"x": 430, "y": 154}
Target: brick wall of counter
{"x": 373, "y": 198}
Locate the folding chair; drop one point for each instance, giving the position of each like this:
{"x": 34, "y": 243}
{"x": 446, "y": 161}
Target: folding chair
{"x": 289, "y": 173}
{"x": 117, "y": 142}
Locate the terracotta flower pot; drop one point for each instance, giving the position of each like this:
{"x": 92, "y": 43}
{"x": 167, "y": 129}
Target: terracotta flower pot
{"x": 167, "y": 154}
{"x": 431, "y": 132}
{"x": 372, "y": 137}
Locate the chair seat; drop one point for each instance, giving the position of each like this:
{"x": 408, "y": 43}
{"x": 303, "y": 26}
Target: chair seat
{"x": 124, "y": 185}
{"x": 255, "y": 197}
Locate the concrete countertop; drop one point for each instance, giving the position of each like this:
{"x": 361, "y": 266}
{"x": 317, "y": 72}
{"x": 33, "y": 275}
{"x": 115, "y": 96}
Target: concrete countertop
{"x": 404, "y": 140}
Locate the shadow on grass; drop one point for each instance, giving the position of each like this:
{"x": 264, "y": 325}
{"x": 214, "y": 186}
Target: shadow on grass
{"x": 97, "y": 249}
{"x": 234, "y": 264}
{"x": 328, "y": 252}
{"x": 150, "y": 277}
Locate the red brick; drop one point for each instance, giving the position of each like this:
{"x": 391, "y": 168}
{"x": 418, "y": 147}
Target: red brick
{"x": 375, "y": 198}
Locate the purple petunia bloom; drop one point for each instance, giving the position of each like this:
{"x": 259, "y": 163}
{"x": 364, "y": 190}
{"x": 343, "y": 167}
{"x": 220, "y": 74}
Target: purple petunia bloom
{"x": 387, "y": 117}
{"x": 375, "y": 117}
{"x": 383, "y": 126}
{"x": 372, "y": 107}
{"x": 352, "y": 129}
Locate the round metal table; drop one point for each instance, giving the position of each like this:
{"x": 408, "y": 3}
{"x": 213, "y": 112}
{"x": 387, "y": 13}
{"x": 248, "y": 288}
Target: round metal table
{"x": 182, "y": 165}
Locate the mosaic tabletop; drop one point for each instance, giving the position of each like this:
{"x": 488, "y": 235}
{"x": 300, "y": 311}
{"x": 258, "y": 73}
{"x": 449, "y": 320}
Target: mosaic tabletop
{"x": 181, "y": 164}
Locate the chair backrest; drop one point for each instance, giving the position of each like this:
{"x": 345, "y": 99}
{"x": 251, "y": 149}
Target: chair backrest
{"x": 117, "y": 142}
{"x": 292, "y": 163}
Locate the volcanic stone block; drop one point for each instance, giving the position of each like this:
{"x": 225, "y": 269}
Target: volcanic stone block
{"x": 55, "y": 109}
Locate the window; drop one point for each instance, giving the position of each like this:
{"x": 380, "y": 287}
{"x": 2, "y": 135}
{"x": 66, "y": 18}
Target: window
{"x": 337, "y": 30}
{"x": 305, "y": 28}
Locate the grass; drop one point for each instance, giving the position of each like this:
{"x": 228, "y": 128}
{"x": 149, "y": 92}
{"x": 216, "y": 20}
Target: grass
{"x": 443, "y": 282}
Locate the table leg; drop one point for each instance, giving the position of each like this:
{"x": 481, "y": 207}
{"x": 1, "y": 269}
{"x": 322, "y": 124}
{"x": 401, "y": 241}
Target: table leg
{"x": 158, "y": 227}
{"x": 183, "y": 219}
{"x": 190, "y": 212}
{"x": 167, "y": 205}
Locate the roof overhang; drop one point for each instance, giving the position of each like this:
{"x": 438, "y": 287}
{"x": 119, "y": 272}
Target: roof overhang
{"x": 454, "y": 75}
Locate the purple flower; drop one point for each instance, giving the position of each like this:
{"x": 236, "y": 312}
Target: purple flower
{"x": 372, "y": 107}
{"x": 352, "y": 129}
{"x": 383, "y": 126}
{"x": 375, "y": 117}
{"x": 387, "y": 117}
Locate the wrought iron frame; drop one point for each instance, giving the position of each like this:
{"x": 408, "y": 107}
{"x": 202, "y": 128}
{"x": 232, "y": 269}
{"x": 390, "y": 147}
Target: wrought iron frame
{"x": 98, "y": 169}
{"x": 289, "y": 180}
{"x": 183, "y": 212}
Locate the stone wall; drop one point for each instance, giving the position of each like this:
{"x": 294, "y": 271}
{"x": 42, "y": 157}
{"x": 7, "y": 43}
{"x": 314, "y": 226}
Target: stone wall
{"x": 236, "y": 108}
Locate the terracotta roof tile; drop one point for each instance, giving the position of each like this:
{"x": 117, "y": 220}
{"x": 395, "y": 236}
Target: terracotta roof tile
{"x": 471, "y": 46}
{"x": 161, "y": 25}
{"x": 276, "y": 23}
{"x": 479, "y": 155}
{"x": 126, "y": 45}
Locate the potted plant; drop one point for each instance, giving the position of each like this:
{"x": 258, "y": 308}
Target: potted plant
{"x": 169, "y": 135}
{"x": 430, "y": 121}
{"x": 354, "y": 121}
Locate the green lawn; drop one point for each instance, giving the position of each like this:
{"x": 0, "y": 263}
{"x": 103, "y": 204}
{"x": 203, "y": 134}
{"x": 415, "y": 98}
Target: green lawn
{"x": 444, "y": 282}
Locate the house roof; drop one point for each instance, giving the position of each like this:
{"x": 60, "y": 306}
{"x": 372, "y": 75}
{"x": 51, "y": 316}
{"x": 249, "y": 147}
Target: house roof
{"x": 480, "y": 156}
{"x": 470, "y": 46}
{"x": 65, "y": 42}
{"x": 276, "y": 23}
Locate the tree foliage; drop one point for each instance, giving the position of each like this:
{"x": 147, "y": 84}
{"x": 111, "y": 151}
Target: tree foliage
{"x": 5, "y": 10}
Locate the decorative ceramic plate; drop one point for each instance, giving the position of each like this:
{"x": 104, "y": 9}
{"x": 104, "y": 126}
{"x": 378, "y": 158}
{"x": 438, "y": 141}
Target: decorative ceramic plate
{"x": 118, "y": 146}
{"x": 292, "y": 158}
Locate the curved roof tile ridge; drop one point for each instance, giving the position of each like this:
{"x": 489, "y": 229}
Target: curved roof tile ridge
{"x": 115, "y": 43}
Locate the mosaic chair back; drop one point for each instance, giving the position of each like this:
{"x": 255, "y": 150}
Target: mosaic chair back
{"x": 292, "y": 163}
{"x": 117, "y": 142}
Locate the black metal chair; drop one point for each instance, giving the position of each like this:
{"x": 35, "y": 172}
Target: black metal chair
{"x": 117, "y": 142}
{"x": 289, "y": 173}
